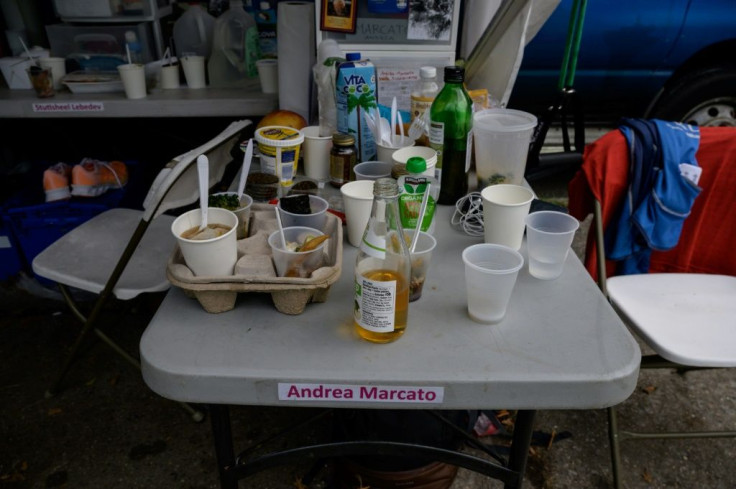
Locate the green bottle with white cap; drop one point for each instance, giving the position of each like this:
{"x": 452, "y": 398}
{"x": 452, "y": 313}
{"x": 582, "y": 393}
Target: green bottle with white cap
{"x": 413, "y": 187}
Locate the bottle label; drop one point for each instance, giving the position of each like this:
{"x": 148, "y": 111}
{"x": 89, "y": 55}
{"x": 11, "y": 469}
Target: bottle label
{"x": 469, "y": 150}
{"x": 410, "y": 203}
{"x": 419, "y": 105}
{"x": 437, "y": 143}
{"x": 373, "y": 245}
{"x": 374, "y": 304}
{"x": 252, "y": 51}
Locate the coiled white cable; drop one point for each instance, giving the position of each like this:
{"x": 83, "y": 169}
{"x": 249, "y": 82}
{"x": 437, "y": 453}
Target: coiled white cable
{"x": 468, "y": 214}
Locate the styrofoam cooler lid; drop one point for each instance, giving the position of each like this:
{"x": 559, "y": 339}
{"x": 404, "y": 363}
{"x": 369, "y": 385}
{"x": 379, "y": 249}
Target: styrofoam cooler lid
{"x": 504, "y": 120}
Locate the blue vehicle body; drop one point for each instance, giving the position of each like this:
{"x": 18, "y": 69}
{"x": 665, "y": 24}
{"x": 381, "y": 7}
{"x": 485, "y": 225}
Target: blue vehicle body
{"x": 633, "y": 54}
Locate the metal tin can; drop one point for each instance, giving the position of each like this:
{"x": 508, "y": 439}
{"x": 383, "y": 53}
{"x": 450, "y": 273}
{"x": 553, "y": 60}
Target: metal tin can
{"x": 343, "y": 158}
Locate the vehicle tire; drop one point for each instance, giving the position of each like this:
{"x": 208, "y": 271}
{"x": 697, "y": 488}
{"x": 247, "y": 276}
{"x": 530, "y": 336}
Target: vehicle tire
{"x": 706, "y": 97}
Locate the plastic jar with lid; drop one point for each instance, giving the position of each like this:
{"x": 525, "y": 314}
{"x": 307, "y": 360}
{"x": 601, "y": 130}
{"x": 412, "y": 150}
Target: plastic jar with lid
{"x": 343, "y": 158}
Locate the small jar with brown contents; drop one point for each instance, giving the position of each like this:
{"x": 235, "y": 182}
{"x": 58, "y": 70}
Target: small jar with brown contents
{"x": 343, "y": 158}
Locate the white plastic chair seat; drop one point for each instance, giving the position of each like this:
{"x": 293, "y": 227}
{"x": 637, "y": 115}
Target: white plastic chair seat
{"x": 86, "y": 256}
{"x": 686, "y": 318}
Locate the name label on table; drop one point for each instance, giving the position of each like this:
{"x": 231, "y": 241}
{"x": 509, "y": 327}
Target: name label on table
{"x": 68, "y": 107}
{"x": 360, "y": 393}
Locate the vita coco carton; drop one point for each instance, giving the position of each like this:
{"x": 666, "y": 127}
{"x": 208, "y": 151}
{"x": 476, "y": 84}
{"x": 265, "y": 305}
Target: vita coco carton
{"x": 355, "y": 88}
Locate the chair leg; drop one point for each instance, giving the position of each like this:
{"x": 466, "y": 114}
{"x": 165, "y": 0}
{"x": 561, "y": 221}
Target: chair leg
{"x": 71, "y": 356}
{"x": 613, "y": 440}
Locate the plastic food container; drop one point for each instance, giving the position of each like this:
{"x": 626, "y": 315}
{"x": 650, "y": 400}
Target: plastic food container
{"x": 279, "y": 147}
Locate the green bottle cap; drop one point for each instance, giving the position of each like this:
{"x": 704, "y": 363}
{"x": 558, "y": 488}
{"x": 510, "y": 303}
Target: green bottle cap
{"x": 416, "y": 164}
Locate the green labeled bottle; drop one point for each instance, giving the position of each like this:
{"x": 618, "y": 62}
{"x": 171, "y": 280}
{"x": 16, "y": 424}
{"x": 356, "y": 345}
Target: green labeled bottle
{"x": 451, "y": 121}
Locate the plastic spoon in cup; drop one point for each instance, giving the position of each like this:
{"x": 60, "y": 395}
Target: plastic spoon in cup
{"x": 401, "y": 125}
{"x": 422, "y": 210}
{"x": 394, "y": 112}
{"x": 245, "y": 169}
{"x": 203, "y": 172}
{"x": 281, "y": 228}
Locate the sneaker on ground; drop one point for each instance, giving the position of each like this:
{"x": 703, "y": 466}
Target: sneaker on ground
{"x": 91, "y": 178}
{"x": 56, "y": 182}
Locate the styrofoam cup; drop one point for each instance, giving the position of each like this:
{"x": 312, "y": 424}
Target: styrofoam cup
{"x": 58, "y": 69}
{"x": 549, "y": 235}
{"x": 268, "y": 73}
{"x": 501, "y": 140}
{"x": 401, "y": 156}
{"x": 357, "y": 199}
{"x": 504, "y": 209}
{"x": 243, "y": 213}
{"x": 170, "y": 76}
{"x": 372, "y": 170}
{"x": 214, "y": 257}
{"x": 315, "y": 220}
{"x": 133, "y": 77}
{"x": 384, "y": 152}
{"x": 194, "y": 71}
{"x": 294, "y": 263}
{"x": 490, "y": 276}
{"x": 316, "y": 154}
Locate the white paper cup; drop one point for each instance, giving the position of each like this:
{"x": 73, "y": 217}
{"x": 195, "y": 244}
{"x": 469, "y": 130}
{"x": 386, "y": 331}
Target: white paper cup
{"x": 316, "y": 154}
{"x": 243, "y": 213}
{"x": 194, "y": 71}
{"x": 384, "y": 152}
{"x": 504, "y": 210}
{"x": 58, "y": 69}
{"x": 214, "y": 257}
{"x": 549, "y": 235}
{"x": 501, "y": 142}
{"x": 134, "y": 80}
{"x": 357, "y": 199}
{"x": 315, "y": 220}
{"x": 293, "y": 263}
{"x": 401, "y": 156}
{"x": 372, "y": 170}
{"x": 268, "y": 73}
{"x": 490, "y": 276}
{"x": 170, "y": 77}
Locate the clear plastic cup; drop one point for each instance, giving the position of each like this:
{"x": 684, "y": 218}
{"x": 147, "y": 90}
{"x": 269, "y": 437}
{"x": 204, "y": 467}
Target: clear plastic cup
{"x": 316, "y": 219}
{"x": 243, "y": 213}
{"x": 490, "y": 276}
{"x": 295, "y": 263}
{"x": 421, "y": 257}
{"x": 373, "y": 170}
{"x": 549, "y": 235}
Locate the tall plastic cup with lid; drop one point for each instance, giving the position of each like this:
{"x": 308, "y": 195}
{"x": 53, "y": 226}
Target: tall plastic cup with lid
{"x": 279, "y": 148}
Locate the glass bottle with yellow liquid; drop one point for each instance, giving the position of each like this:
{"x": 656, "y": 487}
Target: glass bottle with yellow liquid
{"x": 382, "y": 270}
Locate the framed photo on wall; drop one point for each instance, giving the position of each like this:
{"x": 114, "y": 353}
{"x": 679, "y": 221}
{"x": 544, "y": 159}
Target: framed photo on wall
{"x": 338, "y": 15}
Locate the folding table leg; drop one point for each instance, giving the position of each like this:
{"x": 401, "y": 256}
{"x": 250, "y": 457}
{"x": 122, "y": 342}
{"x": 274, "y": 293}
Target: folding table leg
{"x": 523, "y": 427}
{"x": 613, "y": 441}
{"x": 222, "y": 432}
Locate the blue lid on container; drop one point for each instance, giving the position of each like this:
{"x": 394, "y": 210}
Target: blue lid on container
{"x": 352, "y": 56}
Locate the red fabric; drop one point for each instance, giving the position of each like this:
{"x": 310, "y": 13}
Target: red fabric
{"x": 708, "y": 237}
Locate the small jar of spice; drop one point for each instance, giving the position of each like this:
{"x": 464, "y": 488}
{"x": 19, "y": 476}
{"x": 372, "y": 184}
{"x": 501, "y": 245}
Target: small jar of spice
{"x": 343, "y": 158}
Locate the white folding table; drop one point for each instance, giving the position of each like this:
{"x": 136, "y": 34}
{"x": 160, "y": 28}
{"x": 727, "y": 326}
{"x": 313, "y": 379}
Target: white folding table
{"x": 560, "y": 346}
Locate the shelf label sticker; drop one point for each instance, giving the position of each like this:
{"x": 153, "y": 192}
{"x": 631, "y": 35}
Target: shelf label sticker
{"x": 49, "y": 107}
{"x": 360, "y": 393}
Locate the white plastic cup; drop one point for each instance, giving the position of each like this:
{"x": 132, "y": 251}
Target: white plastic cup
{"x": 504, "y": 209}
{"x": 421, "y": 257}
{"x": 214, "y": 257}
{"x": 243, "y": 213}
{"x": 384, "y": 152}
{"x": 133, "y": 77}
{"x": 490, "y": 276}
{"x": 268, "y": 74}
{"x": 316, "y": 154}
{"x": 170, "y": 76}
{"x": 549, "y": 235}
{"x": 58, "y": 69}
{"x": 294, "y": 263}
{"x": 194, "y": 71}
{"x": 501, "y": 140}
{"x": 401, "y": 156}
{"x": 372, "y": 170}
{"x": 316, "y": 219}
{"x": 357, "y": 199}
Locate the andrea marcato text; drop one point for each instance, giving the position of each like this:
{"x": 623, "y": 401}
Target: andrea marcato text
{"x": 360, "y": 393}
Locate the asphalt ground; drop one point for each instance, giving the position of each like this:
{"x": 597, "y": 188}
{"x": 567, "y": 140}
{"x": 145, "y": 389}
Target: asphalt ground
{"x": 106, "y": 429}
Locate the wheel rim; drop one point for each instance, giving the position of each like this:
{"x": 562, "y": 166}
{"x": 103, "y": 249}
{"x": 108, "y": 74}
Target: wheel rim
{"x": 713, "y": 113}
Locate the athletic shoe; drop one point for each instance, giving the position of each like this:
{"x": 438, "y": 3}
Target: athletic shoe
{"x": 56, "y": 182}
{"x": 91, "y": 178}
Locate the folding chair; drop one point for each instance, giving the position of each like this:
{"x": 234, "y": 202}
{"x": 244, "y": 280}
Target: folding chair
{"x": 123, "y": 252}
{"x": 686, "y": 316}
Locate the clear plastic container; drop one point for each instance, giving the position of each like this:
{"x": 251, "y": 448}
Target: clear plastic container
{"x": 193, "y": 32}
{"x": 234, "y": 48}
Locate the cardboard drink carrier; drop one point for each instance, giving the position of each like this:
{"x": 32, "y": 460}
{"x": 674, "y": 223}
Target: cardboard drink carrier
{"x": 255, "y": 272}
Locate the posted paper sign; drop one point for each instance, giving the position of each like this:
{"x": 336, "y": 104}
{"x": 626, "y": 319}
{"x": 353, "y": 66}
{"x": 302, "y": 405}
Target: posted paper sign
{"x": 68, "y": 107}
{"x": 360, "y": 393}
